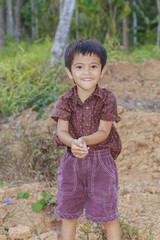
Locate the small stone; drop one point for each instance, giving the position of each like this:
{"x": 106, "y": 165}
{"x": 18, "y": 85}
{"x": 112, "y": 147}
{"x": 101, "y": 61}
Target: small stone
{"x": 92, "y": 236}
{"x": 20, "y": 232}
{"x": 3, "y": 237}
{"x": 49, "y": 236}
{"x": 120, "y": 110}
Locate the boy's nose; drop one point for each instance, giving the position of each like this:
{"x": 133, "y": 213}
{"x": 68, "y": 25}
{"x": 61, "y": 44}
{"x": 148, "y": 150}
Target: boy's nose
{"x": 86, "y": 70}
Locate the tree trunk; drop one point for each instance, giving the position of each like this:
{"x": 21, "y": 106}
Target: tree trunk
{"x": 125, "y": 31}
{"x": 134, "y": 25}
{"x": 61, "y": 7}
{"x": 2, "y": 33}
{"x": 17, "y": 32}
{"x": 9, "y": 18}
{"x": 34, "y": 28}
{"x": 158, "y": 30}
{"x": 61, "y": 36}
{"x": 77, "y": 22}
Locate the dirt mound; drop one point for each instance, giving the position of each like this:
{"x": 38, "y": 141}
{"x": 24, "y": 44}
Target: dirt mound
{"x": 137, "y": 87}
{"x": 126, "y": 79}
{"x": 140, "y": 139}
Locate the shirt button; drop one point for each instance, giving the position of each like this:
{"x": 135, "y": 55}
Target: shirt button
{"x": 87, "y": 107}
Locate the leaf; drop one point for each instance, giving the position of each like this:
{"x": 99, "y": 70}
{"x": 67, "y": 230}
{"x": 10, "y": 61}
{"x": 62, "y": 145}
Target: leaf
{"x": 1, "y": 184}
{"x": 12, "y": 213}
{"x": 26, "y": 195}
{"x": 42, "y": 202}
{"x": 110, "y": 1}
{"x": 20, "y": 194}
{"x": 125, "y": 12}
{"x": 53, "y": 200}
{"x": 45, "y": 117}
{"x": 37, "y": 207}
{"x": 120, "y": 3}
{"x": 47, "y": 196}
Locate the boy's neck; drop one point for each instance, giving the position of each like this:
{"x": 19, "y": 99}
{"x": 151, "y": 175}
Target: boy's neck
{"x": 84, "y": 94}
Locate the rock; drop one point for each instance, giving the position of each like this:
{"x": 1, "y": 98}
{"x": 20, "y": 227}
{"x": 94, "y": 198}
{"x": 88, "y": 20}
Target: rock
{"x": 49, "y": 236}
{"x": 92, "y": 236}
{"x": 3, "y": 237}
{"x": 120, "y": 110}
{"x": 20, "y": 232}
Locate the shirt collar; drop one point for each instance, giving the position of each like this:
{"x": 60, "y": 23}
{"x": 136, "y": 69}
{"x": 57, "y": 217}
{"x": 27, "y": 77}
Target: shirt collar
{"x": 97, "y": 92}
{"x": 72, "y": 93}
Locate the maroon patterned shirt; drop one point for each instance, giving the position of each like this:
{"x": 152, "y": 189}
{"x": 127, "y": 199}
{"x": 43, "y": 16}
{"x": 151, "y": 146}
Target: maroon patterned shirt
{"x": 84, "y": 118}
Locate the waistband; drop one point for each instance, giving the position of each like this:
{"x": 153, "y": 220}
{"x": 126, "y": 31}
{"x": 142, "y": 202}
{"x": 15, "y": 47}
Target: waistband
{"x": 102, "y": 152}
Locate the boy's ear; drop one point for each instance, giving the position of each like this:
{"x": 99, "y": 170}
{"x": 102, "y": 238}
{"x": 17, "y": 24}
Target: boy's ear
{"x": 103, "y": 71}
{"x": 69, "y": 73}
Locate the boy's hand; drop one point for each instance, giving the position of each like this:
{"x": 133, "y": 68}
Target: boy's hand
{"x": 79, "y": 148}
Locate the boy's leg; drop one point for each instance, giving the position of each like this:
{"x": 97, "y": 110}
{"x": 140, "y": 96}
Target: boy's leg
{"x": 113, "y": 230}
{"x": 69, "y": 229}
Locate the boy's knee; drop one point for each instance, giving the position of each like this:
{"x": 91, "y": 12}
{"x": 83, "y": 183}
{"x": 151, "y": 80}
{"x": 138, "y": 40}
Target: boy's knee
{"x": 111, "y": 224}
{"x": 113, "y": 230}
{"x": 70, "y": 222}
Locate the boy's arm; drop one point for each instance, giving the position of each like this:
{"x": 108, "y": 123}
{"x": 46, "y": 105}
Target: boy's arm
{"x": 78, "y": 149}
{"x": 62, "y": 132}
{"x": 99, "y": 136}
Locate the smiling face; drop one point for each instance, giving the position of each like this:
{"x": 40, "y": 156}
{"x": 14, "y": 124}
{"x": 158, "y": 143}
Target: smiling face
{"x": 86, "y": 71}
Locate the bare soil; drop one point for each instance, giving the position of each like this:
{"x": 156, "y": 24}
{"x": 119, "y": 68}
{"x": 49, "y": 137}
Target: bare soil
{"x": 137, "y": 88}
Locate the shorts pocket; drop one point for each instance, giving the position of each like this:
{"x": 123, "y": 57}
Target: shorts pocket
{"x": 110, "y": 202}
{"x": 106, "y": 167}
{"x": 67, "y": 177}
{"x": 103, "y": 180}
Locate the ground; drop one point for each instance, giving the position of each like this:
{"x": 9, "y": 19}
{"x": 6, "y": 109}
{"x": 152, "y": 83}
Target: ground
{"x": 137, "y": 89}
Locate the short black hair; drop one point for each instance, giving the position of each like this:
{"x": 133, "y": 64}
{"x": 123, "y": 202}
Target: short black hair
{"x": 85, "y": 46}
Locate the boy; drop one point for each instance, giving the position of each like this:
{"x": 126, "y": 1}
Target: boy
{"x": 87, "y": 175}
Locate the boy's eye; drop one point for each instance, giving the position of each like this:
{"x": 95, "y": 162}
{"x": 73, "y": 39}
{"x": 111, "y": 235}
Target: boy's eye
{"x": 79, "y": 67}
{"x": 94, "y": 66}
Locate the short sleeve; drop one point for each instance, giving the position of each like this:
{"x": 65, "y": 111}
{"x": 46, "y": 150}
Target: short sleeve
{"x": 62, "y": 110}
{"x": 109, "y": 110}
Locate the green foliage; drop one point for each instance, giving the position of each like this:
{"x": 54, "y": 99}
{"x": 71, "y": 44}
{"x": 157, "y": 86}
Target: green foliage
{"x": 91, "y": 18}
{"x": 87, "y": 229}
{"x": 23, "y": 195}
{"x": 137, "y": 54}
{"x": 1, "y": 184}
{"x": 40, "y": 204}
{"x": 12, "y": 213}
{"x": 46, "y": 14}
{"x": 127, "y": 231}
{"x": 96, "y": 18}
{"x": 53, "y": 200}
{"x": 29, "y": 80}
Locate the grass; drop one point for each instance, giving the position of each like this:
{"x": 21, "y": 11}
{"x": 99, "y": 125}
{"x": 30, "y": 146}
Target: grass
{"x": 137, "y": 54}
{"x": 28, "y": 80}
{"x": 128, "y": 232}
{"x": 26, "y": 77}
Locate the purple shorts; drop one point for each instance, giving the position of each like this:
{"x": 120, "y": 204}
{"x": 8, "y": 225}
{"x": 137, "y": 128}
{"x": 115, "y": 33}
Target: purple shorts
{"x": 90, "y": 182}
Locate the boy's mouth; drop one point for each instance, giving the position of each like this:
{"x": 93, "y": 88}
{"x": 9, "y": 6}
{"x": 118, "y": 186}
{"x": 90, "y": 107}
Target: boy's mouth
{"x": 87, "y": 79}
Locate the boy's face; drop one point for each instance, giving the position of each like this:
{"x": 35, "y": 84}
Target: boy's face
{"x": 86, "y": 71}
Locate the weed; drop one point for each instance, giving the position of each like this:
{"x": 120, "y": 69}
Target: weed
{"x": 23, "y": 195}
{"x": 87, "y": 229}
{"x": 1, "y": 184}
{"x": 127, "y": 231}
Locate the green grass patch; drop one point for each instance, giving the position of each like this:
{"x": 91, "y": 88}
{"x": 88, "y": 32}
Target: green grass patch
{"x": 26, "y": 77}
{"x": 137, "y": 54}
